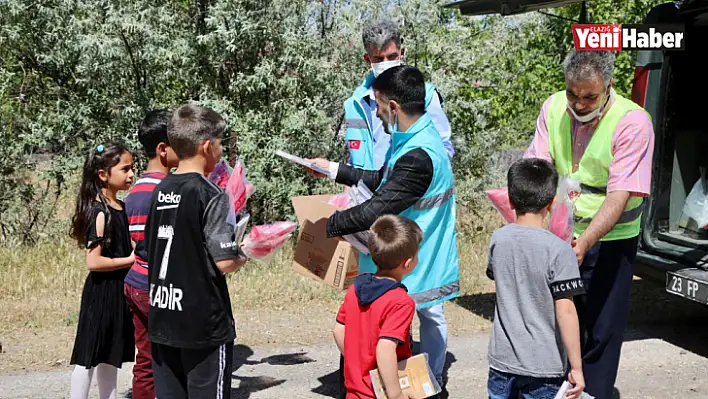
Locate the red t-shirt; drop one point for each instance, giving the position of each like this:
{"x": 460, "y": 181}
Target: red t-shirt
{"x": 388, "y": 317}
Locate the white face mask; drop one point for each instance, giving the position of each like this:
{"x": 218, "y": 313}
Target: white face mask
{"x": 380, "y": 67}
{"x": 592, "y": 115}
{"x": 392, "y": 128}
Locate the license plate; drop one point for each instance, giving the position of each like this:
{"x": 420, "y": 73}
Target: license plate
{"x": 690, "y": 284}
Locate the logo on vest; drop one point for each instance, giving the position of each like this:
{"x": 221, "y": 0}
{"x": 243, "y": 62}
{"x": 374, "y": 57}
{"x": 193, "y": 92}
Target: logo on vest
{"x": 617, "y": 37}
{"x": 162, "y": 297}
{"x": 354, "y": 144}
{"x": 228, "y": 245}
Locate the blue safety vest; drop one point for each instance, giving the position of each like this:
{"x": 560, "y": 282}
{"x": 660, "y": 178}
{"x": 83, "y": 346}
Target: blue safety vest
{"x": 359, "y": 133}
{"x": 436, "y": 278}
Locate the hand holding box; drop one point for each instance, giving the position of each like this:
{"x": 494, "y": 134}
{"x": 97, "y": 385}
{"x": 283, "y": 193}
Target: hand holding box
{"x": 415, "y": 376}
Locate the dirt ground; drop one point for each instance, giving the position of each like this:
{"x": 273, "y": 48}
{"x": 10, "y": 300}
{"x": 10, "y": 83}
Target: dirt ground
{"x": 651, "y": 368}
{"x": 289, "y": 353}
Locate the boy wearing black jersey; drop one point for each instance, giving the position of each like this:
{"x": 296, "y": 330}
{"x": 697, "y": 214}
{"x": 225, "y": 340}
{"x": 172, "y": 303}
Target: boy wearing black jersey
{"x": 191, "y": 246}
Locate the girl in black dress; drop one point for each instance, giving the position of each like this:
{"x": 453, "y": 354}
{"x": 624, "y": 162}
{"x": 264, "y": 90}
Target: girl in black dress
{"x": 104, "y": 337}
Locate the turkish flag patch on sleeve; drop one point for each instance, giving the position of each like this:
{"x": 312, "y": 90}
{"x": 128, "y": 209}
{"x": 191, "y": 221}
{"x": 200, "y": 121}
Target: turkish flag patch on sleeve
{"x": 354, "y": 144}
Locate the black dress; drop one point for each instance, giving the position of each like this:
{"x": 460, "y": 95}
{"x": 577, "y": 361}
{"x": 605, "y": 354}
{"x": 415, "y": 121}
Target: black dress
{"x": 105, "y": 330}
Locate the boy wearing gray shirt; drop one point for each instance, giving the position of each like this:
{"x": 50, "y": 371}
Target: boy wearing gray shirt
{"x": 535, "y": 329}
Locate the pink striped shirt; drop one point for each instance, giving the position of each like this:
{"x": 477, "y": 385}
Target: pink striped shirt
{"x": 632, "y": 148}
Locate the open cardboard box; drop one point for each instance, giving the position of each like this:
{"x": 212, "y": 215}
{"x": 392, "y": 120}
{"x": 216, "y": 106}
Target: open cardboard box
{"x": 415, "y": 377}
{"x": 332, "y": 261}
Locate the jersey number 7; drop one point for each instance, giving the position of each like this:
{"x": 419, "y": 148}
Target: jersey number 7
{"x": 165, "y": 233}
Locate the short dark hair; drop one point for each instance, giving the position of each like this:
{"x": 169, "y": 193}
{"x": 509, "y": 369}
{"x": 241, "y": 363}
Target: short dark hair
{"x": 394, "y": 239}
{"x": 405, "y": 85}
{"x": 153, "y": 131}
{"x": 190, "y": 125}
{"x": 532, "y": 184}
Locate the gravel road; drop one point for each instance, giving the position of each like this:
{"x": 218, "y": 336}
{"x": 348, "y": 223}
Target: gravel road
{"x": 653, "y": 366}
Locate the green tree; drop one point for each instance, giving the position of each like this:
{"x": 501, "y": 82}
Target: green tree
{"x": 77, "y": 73}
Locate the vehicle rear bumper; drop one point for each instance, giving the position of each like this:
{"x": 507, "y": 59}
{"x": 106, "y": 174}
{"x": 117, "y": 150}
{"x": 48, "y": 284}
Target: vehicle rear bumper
{"x": 653, "y": 267}
{"x": 677, "y": 278}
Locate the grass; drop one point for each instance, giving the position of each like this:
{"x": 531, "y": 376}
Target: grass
{"x": 40, "y": 293}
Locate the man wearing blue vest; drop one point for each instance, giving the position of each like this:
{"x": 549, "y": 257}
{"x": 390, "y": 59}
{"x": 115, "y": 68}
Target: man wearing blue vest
{"x": 416, "y": 182}
{"x": 366, "y": 137}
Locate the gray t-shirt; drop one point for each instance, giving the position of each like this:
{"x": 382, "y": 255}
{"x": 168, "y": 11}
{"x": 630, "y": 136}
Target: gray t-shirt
{"x": 532, "y": 268}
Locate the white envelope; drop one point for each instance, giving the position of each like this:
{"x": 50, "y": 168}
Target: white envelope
{"x": 240, "y": 229}
{"x": 564, "y": 388}
{"x": 301, "y": 161}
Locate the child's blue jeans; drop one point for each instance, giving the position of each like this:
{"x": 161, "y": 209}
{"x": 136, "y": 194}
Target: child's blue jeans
{"x": 510, "y": 386}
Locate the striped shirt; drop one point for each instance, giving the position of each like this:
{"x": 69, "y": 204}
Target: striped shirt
{"x": 632, "y": 149}
{"x": 137, "y": 205}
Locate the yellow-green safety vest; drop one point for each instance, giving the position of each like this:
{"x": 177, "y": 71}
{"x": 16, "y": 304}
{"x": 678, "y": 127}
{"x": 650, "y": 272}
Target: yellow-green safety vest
{"x": 594, "y": 166}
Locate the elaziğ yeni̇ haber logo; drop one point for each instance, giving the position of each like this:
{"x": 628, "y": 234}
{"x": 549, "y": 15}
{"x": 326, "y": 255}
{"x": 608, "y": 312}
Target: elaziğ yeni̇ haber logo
{"x": 616, "y": 37}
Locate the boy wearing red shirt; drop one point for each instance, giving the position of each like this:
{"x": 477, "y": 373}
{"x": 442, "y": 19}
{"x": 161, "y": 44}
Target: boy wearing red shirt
{"x": 374, "y": 322}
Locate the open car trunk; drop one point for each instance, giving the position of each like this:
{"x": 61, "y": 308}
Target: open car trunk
{"x": 681, "y": 154}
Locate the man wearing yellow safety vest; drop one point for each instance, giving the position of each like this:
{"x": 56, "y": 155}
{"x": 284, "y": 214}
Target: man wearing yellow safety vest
{"x": 606, "y": 141}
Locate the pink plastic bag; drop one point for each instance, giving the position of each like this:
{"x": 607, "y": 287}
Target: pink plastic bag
{"x": 339, "y": 201}
{"x": 271, "y": 231}
{"x": 562, "y": 222}
{"x": 220, "y": 174}
{"x": 235, "y": 184}
{"x": 236, "y": 188}
{"x": 500, "y": 200}
{"x": 262, "y": 242}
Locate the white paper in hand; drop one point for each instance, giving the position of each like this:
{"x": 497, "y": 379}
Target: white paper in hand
{"x": 301, "y": 161}
{"x": 360, "y": 193}
{"x": 565, "y": 387}
{"x": 240, "y": 229}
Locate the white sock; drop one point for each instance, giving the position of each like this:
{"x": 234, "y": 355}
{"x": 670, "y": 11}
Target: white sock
{"x": 107, "y": 377}
{"x": 81, "y": 382}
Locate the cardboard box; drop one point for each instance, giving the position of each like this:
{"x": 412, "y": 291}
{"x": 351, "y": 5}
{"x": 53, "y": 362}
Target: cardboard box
{"x": 332, "y": 261}
{"x": 415, "y": 377}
